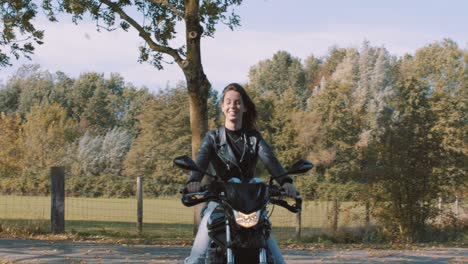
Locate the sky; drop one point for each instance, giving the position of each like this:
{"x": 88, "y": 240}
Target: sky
{"x": 301, "y": 27}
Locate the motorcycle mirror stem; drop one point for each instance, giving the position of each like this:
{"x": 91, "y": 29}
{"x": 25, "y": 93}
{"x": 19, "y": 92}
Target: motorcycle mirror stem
{"x": 186, "y": 163}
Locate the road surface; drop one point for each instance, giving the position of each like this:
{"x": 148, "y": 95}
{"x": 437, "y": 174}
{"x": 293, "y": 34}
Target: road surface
{"x": 54, "y": 252}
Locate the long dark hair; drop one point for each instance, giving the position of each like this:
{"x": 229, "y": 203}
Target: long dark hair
{"x": 249, "y": 118}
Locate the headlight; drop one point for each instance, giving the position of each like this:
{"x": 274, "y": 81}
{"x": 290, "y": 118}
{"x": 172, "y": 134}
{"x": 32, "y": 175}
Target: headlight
{"x": 246, "y": 220}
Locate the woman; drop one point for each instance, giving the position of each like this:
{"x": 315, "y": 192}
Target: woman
{"x": 233, "y": 150}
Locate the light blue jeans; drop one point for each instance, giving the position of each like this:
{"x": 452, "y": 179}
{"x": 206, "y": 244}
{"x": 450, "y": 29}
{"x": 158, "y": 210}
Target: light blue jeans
{"x": 202, "y": 240}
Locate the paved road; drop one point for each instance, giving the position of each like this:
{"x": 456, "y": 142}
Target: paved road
{"x": 54, "y": 252}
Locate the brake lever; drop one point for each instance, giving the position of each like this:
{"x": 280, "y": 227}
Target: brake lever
{"x": 276, "y": 191}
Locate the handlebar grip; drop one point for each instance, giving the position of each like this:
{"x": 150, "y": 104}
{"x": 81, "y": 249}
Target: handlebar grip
{"x": 189, "y": 200}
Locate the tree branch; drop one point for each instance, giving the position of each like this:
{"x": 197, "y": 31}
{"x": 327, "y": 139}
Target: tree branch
{"x": 145, "y": 35}
{"x": 167, "y": 4}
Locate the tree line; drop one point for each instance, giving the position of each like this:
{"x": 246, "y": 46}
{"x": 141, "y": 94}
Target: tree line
{"x": 387, "y": 131}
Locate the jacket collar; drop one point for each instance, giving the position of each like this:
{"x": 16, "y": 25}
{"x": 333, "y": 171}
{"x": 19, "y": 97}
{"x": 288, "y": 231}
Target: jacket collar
{"x": 224, "y": 149}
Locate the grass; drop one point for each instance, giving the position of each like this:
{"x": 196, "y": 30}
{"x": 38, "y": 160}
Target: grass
{"x": 165, "y": 219}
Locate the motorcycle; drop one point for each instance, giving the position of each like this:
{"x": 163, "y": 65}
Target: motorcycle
{"x": 239, "y": 226}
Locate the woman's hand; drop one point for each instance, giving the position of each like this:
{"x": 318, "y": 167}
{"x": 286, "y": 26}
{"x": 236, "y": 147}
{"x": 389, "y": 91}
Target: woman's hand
{"x": 193, "y": 187}
{"x": 290, "y": 190}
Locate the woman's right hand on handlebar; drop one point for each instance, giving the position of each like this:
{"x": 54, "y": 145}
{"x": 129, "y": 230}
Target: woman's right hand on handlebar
{"x": 193, "y": 187}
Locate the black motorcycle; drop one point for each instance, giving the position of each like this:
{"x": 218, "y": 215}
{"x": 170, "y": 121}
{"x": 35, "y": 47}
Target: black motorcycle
{"x": 239, "y": 226}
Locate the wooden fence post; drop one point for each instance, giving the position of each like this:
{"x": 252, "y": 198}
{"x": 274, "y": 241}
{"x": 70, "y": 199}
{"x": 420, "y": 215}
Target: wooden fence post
{"x": 367, "y": 224}
{"x": 335, "y": 215}
{"x": 57, "y": 197}
{"x": 298, "y": 225}
{"x": 140, "y": 204}
{"x": 457, "y": 208}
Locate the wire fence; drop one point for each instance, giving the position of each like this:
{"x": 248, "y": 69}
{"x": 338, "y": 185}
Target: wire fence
{"x": 166, "y": 219}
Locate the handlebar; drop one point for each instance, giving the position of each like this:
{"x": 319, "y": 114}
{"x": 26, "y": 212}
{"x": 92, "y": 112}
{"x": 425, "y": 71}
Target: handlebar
{"x": 295, "y": 208}
{"x": 191, "y": 199}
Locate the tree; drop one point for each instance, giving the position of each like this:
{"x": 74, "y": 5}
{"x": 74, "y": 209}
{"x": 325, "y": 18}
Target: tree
{"x": 103, "y": 154}
{"x": 406, "y": 186}
{"x": 312, "y": 71}
{"x": 277, "y": 85}
{"x": 34, "y": 84}
{"x": 9, "y": 97}
{"x": 442, "y": 67}
{"x": 276, "y": 75}
{"x": 130, "y": 107}
{"x": 101, "y": 104}
{"x": 18, "y": 34}
{"x": 11, "y": 148}
{"x": 165, "y": 134}
{"x": 47, "y": 133}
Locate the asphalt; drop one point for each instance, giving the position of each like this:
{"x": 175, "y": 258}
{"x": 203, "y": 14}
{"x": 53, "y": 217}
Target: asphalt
{"x": 54, "y": 252}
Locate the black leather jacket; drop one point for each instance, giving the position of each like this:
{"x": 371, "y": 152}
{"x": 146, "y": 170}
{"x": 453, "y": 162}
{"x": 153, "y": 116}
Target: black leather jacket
{"x": 215, "y": 150}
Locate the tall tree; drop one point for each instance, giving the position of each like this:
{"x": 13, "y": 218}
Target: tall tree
{"x": 442, "y": 67}
{"x": 408, "y": 152}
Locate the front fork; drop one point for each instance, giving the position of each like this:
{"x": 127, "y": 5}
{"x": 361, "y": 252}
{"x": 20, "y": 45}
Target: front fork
{"x": 230, "y": 257}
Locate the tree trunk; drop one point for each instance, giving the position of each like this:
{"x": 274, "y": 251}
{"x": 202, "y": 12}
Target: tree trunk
{"x": 198, "y": 119}
{"x": 197, "y": 84}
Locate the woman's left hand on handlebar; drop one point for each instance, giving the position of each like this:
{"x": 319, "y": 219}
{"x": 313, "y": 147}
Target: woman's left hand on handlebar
{"x": 290, "y": 190}
{"x": 193, "y": 187}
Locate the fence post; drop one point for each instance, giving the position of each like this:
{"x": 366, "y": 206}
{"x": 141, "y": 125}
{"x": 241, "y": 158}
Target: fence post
{"x": 298, "y": 225}
{"x": 367, "y": 215}
{"x": 140, "y": 204}
{"x": 57, "y": 197}
{"x": 457, "y": 207}
{"x": 335, "y": 215}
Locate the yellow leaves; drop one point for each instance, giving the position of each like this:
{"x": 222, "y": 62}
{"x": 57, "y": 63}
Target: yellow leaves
{"x": 11, "y": 150}
{"x": 47, "y": 132}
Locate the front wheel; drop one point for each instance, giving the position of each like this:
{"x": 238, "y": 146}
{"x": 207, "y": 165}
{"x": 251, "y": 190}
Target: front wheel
{"x": 215, "y": 255}
{"x": 250, "y": 256}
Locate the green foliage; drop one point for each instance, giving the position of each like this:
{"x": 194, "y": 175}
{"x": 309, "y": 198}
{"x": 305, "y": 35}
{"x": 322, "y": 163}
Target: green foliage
{"x": 11, "y": 148}
{"x": 278, "y": 74}
{"x": 278, "y": 88}
{"x": 47, "y": 133}
{"x": 442, "y": 67}
{"x": 17, "y": 33}
{"x": 165, "y": 134}
{"x": 405, "y": 185}
{"x": 161, "y": 18}
{"x": 9, "y": 96}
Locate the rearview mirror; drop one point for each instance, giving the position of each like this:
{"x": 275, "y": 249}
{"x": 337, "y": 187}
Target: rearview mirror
{"x": 300, "y": 166}
{"x": 186, "y": 163}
